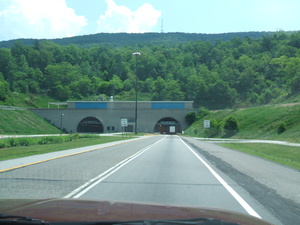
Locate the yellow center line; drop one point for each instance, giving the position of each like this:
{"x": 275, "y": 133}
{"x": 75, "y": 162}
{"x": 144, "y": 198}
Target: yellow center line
{"x": 63, "y": 156}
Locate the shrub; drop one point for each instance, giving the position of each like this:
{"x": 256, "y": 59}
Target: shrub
{"x": 231, "y": 126}
{"x": 13, "y": 142}
{"x": 214, "y": 130}
{"x": 281, "y": 127}
{"x": 43, "y": 141}
{"x": 25, "y": 141}
{"x": 4, "y": 143}
{"x": 50, "y": 140}
{"x": 202, "y": 112}
{"x": 190, "y": 118}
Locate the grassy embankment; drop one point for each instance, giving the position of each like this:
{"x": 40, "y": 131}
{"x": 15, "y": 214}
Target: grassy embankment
{"x": 260, "y": 123}
{"x": 52, "y": 144}
{"x": 24, "y": 122}
{"x": 16, "y": 122}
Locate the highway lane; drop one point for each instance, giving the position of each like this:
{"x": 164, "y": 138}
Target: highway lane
{"x": 170, "y": 172}
{"x": 60, "y": 176}
{"x": 159, "y": 169}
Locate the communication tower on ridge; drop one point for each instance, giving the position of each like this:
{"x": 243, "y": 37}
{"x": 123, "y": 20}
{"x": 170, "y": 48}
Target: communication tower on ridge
{"x": 162, "y": 26}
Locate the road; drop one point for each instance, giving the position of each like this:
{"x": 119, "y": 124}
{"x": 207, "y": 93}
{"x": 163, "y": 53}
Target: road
{"x": 167, "y": 170}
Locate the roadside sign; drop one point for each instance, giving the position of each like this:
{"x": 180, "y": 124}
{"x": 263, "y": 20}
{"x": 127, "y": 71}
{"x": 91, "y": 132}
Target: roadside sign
{"x": 206, "y": 123}
{"x": 124, "y": 122}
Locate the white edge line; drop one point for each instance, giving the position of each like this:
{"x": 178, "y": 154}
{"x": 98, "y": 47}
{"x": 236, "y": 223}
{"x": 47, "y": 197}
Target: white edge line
{"x": 237, "y": 197}
{"x": 96, "y": 180}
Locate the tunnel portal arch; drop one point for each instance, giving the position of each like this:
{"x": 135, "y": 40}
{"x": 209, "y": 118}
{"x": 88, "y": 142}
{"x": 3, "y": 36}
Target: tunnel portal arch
{"x": 163, "y": 126}
{"x": 90, "y": 125}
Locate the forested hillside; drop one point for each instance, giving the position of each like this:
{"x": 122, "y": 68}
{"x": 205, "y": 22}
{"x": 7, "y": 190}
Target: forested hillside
{"x": 139, "y": 39}
{"x": 237, "y": 72}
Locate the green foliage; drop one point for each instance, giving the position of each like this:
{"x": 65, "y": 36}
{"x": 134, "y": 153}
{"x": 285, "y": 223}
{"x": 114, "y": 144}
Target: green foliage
{"x": 116, "y": 40}
{"x": 231, "y": 126}
{"x": 261, "y": 122}
{"x": 15, "y": 142}
{"x": 235, "y": 71}
{"x": 190, "y": 117}
{"x": 214, "y": 130}
{"x": 4, "y": 88}
{"x": 202, "y": 113}
{"x": 5, "y": 143}
{"x": 30, "y": 141}
{"x": 281, "y": 127}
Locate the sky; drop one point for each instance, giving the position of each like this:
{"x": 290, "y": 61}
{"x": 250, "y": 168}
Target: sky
{"x": 66, "y": 18}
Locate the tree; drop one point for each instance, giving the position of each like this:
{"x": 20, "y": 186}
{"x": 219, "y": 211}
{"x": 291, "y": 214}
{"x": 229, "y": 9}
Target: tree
{"x": 59, "y": 76}
{"x": 118, "y": 66}
{"x": 267, "y": 43}
{"x": 292, "y": 71}
{"x": 72, "y": 54}
{"x": 4, "y": 88}
{"x": 62, "y": 93}
{"x": 160, "y": 85}
{"x": 295, "y": 40}
{"x": 18, "y": 49}
{"x": 172, "y": 91}
{"x": 115, "y": 86}
{"x": 33, "y": 58}
{"x": 190, "y": 118}
{"x": 148, "y": 85}
{"x": 82, "y": 87}
{"x": 215, "y": 96}
{"x": 7, "y": 64}
{"x": 231, "y": 126}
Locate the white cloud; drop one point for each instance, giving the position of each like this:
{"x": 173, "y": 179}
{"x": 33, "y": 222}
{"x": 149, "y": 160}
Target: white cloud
{"x": 39, "y": 19}
{"x": 119, "y": 18}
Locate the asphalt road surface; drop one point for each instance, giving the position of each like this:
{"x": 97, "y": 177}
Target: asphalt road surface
{"x": 167, "y": 170}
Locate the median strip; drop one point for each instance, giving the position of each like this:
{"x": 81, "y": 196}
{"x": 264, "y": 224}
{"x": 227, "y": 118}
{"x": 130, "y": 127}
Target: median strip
{"x": 63, "y": 156}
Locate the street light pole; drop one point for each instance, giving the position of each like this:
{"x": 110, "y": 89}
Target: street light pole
{"x": 136, "y": 80}
{"x": 61, "y": 121}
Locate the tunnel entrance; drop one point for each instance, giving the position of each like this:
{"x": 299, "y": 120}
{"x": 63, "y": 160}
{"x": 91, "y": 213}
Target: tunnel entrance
{"x": 167, "y": 125}
{"x": 90, "y": 125}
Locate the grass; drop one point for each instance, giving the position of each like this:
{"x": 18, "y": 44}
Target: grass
{"x": 285, "y": 155}
{"x": 27, "y": 100}
{"x": 17, "y": 152}
{"x": 24, "y": 122}
{"x": 260, "y": 122}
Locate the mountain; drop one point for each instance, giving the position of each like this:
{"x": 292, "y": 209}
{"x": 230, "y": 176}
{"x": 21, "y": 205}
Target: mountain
{"x": 121, "y": 39}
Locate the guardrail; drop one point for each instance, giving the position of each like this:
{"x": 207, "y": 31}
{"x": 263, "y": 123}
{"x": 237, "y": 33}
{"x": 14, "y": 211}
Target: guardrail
{"x": 6, "y": 107}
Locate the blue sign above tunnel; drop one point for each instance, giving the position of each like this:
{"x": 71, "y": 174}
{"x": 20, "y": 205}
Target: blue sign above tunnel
{"x": 167, "y": 105}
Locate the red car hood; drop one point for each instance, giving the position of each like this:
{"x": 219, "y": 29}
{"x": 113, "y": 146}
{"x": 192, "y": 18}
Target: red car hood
{"x": 83, "y": 210}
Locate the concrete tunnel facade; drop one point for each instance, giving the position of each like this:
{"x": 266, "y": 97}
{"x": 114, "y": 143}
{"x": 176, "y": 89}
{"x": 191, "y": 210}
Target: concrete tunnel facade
{"x": 106, "y": 116}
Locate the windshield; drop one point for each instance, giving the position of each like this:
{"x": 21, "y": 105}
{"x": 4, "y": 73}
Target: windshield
{"x": 150, "y": 110}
